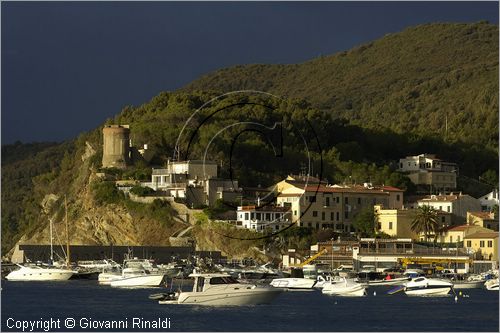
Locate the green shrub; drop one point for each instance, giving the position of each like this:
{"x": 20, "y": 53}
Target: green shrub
{"x": 106, "y": 193}
{"x": 142, "y": 191}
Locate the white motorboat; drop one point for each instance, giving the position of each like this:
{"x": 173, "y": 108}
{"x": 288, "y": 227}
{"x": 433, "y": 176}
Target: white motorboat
{"x": 491, "y": 284}
{"x": 388, "y": 282}
{"x": 341, "y": 286}
{"x": 101, "y": 265}
{"x": 295, "y": 281}
{"x": 38, "y": 273}
{"x": 381, "y": 279}
{"x": 422, "y": 286}
{"x": 137, "y": 277}
{"x": 109, "y": 275}
{"x": 462, "y": 284}
{"x": 148, "y": 265}
{"x": 220, "y": 289}
{"x": 321, "y": 281}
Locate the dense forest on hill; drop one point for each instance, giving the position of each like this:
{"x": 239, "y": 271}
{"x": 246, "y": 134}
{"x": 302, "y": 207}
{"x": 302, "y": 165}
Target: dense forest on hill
{"x": 351, "y": 115}
{"x": 22, "y": 166}
{"x": 435, "y": 80}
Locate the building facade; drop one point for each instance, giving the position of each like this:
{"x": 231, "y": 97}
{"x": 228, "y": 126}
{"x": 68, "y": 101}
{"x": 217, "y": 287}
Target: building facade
{"x": 195, "y": 181}
{"x": 264, "y": 218}
{"x": 320, "y": 207}
{"x": 397, "y": 222}
{"x": 456, "y": 204}
{"x": 457, "y": 234}
{"x": 483, "y": 244}
{"x": 489, "y": 201}
{"x": 427, "y": 169}
{"x": 483, "y": 219}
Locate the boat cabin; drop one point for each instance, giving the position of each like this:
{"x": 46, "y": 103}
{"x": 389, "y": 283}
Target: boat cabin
{"x": 133, "y": 271}
{"x": 203, "y": 282}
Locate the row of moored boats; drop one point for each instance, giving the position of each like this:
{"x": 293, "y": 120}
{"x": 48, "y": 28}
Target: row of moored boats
{"x": 227, "y": 287}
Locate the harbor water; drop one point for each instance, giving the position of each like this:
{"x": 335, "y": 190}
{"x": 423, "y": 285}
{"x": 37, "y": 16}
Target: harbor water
{"x": 89, "y": 304}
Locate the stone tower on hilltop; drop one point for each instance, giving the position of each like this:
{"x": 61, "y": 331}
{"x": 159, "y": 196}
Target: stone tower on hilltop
{"x": 116, "y": 146}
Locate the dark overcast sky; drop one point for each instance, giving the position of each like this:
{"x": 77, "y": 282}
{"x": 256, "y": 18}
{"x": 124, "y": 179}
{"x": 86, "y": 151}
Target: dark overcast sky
{"x": 66, "y": 67}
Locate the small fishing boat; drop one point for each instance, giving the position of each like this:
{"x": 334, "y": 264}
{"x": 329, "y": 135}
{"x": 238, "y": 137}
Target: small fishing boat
{"x": 341, "y": 286}
{"x": 107, "y": 276}
{"x": 219, "y": 289}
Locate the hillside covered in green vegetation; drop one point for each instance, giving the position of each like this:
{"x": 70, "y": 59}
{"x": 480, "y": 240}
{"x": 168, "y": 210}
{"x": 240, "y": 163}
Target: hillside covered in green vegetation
{"x": 351, "y": 115}
{"x": 434, "y": 80}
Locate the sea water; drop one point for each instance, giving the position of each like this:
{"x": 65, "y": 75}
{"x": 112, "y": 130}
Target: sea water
{"x": 56, "y": 306}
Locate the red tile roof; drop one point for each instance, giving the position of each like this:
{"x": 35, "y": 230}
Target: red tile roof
{"x": 353, "y": 189}
{"x": 391, "y": 189}
{"x": 264, "y": 208}
{"x": 482, "y": 215}
{"x": 483, "y": 235}
{"x": 443, "y": 198}
{"x": 460, "y": 227}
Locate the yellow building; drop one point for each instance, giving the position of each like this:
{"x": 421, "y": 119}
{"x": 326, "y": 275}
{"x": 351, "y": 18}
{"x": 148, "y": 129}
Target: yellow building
{"x": 456, "y": 234}
{"x": 484, "y": 244}
{"x": 483, "y": 219}
{"x": 315, "y": 205}
{"x": 397, "y": 222}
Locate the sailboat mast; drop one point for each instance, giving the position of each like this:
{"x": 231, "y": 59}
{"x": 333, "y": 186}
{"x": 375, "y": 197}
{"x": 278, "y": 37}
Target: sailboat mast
{"x": 68, "y": 260}
{"x": 51, "y": 245}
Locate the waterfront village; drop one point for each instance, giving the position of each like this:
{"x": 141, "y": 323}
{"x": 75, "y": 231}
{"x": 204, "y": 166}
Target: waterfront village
{"x": 438, "y": 230}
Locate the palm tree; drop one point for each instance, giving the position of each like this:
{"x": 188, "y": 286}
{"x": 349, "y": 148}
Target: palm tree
{"x": 425, "y": 221}
{"x": 472, "y": 221}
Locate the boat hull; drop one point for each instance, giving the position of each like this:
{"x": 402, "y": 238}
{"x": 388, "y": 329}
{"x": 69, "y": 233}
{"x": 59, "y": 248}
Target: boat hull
{"x": 491, "y": 284}
{"x": 468, "y": 284}
{"x": 245, "y": 297}
{"x": 341, "y": 288}
{"x": 392, "y": 282}
{"x": 428, "y": 291}
{"x": 347, "y": 292}
{"x": 293, "y": 283}
{"x": 45, "y": 275}
{"x": 106, "y": 278}
{"x": 149, "y": 280}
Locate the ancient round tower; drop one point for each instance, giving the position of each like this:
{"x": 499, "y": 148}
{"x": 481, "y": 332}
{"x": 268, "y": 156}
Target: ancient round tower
{"x": 116, "y": 146}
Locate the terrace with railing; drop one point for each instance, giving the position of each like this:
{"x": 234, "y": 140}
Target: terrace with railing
{"x": 395, "y": 247}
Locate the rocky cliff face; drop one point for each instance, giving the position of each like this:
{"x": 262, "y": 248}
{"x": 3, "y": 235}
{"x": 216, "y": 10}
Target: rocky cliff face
{"x": 90, "y": 223}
